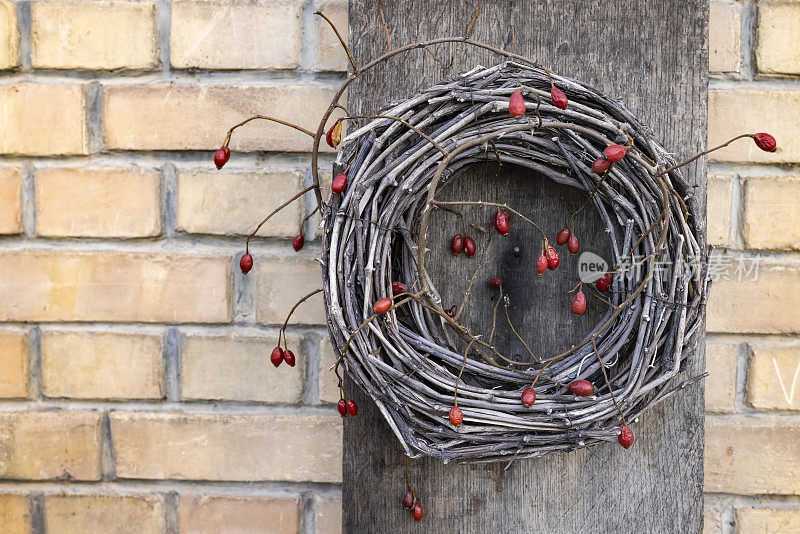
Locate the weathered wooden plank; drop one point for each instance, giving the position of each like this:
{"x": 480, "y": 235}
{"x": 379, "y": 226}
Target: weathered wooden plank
{"x": 651, "y": 55}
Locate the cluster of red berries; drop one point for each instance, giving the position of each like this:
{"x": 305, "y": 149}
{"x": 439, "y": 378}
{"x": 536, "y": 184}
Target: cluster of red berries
{"x": 347, "y": 407}
{"x": 611, "y": 154}
{"x": 516, "y": 104}
{"x": 459, "y": 243}
{"x": 570, "y": 239}
{"x": 280, "y": 355}
{"x": 548, "y": 260}
{"x": 410, "y": 502}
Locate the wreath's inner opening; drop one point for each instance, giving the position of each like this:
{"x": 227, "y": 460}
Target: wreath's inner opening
{"x": 538, "y": 306}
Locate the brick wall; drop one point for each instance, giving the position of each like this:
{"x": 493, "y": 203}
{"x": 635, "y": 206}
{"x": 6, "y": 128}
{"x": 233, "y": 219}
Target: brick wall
{"x": 134, "y": 387}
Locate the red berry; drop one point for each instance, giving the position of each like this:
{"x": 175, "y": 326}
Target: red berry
{"x": 246, "y": 263}
{"x": 342, "y": 407}
{"x": 578, "y": 305}
{"x": 298, "y": 242}
{"x": 416, "y": 512}
{"x": 408, "y": 500}
{"x": 469, "y": 246}
{"x": 495, "y": 283}
{"x": 558, "y": 97}
{"x": 572, "y": 244}
{"x": 222, "y": 156}
{"x": 457, "y": 244}
{"x": 528, "y": 396}
{"x": 383, "y": 305}
{"x": 451, "y": 312}
{"x": 625, "y": 436}
{"x": 600, "y": 165}
{"x": 277, "y": 356}
{"x": 541, "y": 264}
{"x": 602, "y": 284}
{"x": 562, "y": 236}
{"x": 516, "y": 104}
{"x": 456, "y": 417}
{"x": 614, "y": 153}
{"x": 339, "y": 183}
{"x": 398, "y": 287}
{"x": 334, "y": 134}
{"x": 501, "y": 222}
{"x": 581, "y": 388}
{"x": 352, "y": 408}
{"x": 288, "y": 357}
{"x": 553, "y": 259}
{"x": 765, "y": 142}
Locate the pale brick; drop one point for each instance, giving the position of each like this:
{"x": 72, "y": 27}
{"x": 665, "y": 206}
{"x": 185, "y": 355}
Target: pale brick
{"x": 778, "y": 28}
{"x": 712, "y": 522}
{"x": 752, "y": 455}
{"x": 109, "y": 514}
{"x": 42, "y": 119}
{"x": 238, "y": 368}
{"x": 283, "y": 281}
{"x": 720, "y": 192}
{"x": 221, "y": 447}
{"x": 9, "y": 35}
{"x": 82, "y": 202}
{"x": 724, "y": 36}
{"x": 773, "y": 376}
{"x": 14, "y": 364}
{"x": 329, "y": 52}
{"x": 772, "y": 212}
{"x": 193, "y": 117}
{"x": 768, "y": 305}
{"x": 235, "y": 202}
{"x": 329, "y": 515}
{"x": 328, "y": 383}
{"x": 235, "y": 35}
{"x": 101, "y": 365}
{"x": 10, "y": 199}
{"x": 763, "y": 521}
{"x": 15, "y": 514}
{"x": 207, "y": 514}
{"x": 732, "y": 112}
{"x": 50, "y": 445}
{"x": 721, "y": 363}
{"x": 110, "y": 286}
{"x": 93, "y": 35}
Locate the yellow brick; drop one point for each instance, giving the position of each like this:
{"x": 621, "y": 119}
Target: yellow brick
{"x": 193, "y": 117}
{"x": 235, "y": 202}
{"x": 756, "y": 455}
{"x": 720, "y": 189}
{"x": 763, "y": 521}
{"x": 220, "y": 447}
{"x": 732, "y": 112}
{"x": 15, "y": 514}
{"x": 778, "y": 28}
{"x": 14, "y": 364}
{"x": 205, "y": 514}
{"x": 9, "y": 35}
{"x": 42, "y": 119}
{"x": 109, "y": 514}
{"x": 281, "y": 282}
{"x": 721, "y": 363}
{"x": 101, "y": 365}
{"x": 712, "y": 522}
{"x": 768, "y": 305}
{"x": 328, "y": 383}
{"x": 329, "y": 52}
{"x": 10, "y": 199}
{"x": 235, "y": 35}
{"x": 108, "y": 286}
{"x": 238, "y": 368}
{"x": 97, "y": 202}
{"x": 772, "y": 212}
{"x": 329, "y": 515}
{"x": 93, "y": 35}
{"x": 49, "y": 445}
{"x": 773, "y": 376}
{"x": 724, "y": 36}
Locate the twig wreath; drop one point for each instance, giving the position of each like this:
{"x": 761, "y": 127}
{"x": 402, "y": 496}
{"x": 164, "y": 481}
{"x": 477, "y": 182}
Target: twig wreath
{"x": 448, "y": 392}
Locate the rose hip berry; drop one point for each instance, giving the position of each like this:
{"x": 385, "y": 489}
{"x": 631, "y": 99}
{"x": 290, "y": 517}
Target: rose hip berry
{"x": 298, "y": 242}
{"x": 398, "y": 287}
{"x": 222, "y": 156}
{"x": 456, "y": 417}
{"x": 501, "y": 222}
{"x": 516, "y": 104}
{"x": 469, "y": 246}
{"x": 408, "y": 500}
{"x": 352, "y": 408}
{"x": 572, "y": 244}
{"x": 603, "y": 283}
{"x": 277, "y": 356}
{"x": 495, "y": 283}
{"x": 581, "y": 388}
{"x": 457, "y": 244}
{"x": 528, "y": 396}
{"x": 578, "y": 305}
{"x": 600, "y": 165}
{"x": 562, "y": 236}
{"x": 342, "y": 407}
{"x": 334, "y": 135}
{"x": 541, "y": 264}
{"x": 765, "y": 142}
{"x": 558, "y": 97}
{"x": 615, "y": 153}
{"x": 339, "y": 183}
{"x": 382, "y": 306}
{"x": 416, "y": 512}
{"x": 246, "y": 263}
{"x": 288, "y": 357}
{"x": 553, "y": 259}
{"x": 625, "y": 436}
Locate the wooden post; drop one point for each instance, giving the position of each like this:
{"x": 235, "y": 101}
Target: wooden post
{"x": 652, "y": 56}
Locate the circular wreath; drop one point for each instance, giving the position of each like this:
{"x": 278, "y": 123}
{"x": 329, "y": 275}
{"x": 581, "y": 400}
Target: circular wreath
{"x": 416, "y": 360}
